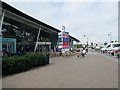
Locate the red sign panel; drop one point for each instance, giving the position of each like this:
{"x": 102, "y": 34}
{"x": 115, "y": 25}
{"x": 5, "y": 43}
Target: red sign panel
{"x": 65, "y": 43}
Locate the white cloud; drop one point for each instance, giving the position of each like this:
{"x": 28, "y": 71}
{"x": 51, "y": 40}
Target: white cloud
{"x": 61, "y": 0}
{"x": 94, "y": 19}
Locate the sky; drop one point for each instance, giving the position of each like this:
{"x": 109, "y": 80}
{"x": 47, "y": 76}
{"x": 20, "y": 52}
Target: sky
{"x": 93, "y": 18}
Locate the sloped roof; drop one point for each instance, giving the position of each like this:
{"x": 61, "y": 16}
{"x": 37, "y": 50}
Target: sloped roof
{"x": 74, "y": 39}
{"x": 9, "y": 8}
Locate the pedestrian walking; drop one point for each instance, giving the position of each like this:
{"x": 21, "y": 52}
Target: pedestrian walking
{"x": 87, "y": 50}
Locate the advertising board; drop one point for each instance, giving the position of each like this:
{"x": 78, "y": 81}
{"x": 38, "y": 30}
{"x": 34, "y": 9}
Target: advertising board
{"x": 66, "y": 40}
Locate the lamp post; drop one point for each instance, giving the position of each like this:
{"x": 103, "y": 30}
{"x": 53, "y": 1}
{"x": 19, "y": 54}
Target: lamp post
{"x": 63, "y": 32}
{"x": 84, "y": 37}
{"x": 63, "y": 28}
{"x": 87, "y": 42}
{"x": 110, "y": 35}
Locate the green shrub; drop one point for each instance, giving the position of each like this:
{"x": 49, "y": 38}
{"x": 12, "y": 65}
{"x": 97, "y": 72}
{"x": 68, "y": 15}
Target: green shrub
{"x": 17, "y": 64}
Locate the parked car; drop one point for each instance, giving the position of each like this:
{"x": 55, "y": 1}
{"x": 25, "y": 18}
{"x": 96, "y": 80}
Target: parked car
{"x": 115, "y": 52}
{"x": 104, "y": 49}
{"x": 112, "y": 48}
{"x": 118, "y": 53}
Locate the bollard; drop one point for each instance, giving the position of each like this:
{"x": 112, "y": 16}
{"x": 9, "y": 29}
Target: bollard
{"x": 48, "y": 55}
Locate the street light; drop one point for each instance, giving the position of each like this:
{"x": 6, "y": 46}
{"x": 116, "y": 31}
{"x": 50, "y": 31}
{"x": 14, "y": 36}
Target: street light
{"x": 110, "y": 35}
{"x": 87, "y": 41}
{"x": 84, "y": 37}
{"x": 63, "y": 28}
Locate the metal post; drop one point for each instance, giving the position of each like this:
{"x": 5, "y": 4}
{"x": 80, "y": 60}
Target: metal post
{"x": 3, "y": 14}
{"x": 110, "y": 36}
{"x": 37, "y": 39}
{"x": 76, "y": 45}
{"x": 63, "y": 29}
{"x": 84, "y": 39}
{"x": 87, "y": 41}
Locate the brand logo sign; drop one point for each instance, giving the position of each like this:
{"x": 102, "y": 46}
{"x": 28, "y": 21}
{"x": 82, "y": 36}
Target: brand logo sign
{"x": 65, "y": 43}
{"x": 65, "y": 36}
{"x": 66, "y": 40}
{"x": 65, "y": 46}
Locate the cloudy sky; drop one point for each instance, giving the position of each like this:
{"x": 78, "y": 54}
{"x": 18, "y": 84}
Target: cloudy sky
{"x": 91, "y": 18}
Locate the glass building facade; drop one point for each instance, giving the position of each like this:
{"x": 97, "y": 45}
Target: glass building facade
{"x": 20, "y": 31}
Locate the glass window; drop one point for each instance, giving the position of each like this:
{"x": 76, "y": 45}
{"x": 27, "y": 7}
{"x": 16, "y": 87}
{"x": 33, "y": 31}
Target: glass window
{"x": 116, "y": 45}
{"x": 108, "y": 46}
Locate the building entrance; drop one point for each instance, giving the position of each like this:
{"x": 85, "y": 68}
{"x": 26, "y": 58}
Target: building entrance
{"x": 43, "y": 46}
{"x": 9, "y": 45}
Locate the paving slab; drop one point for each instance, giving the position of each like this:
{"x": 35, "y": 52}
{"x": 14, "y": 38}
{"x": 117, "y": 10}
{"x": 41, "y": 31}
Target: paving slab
{"x": 93, "y": 71}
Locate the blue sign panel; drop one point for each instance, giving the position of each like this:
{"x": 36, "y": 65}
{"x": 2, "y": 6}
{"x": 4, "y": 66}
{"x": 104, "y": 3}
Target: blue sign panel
{"x": 65, "y": 39}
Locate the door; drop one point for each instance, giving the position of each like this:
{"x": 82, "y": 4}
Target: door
{"x": 8, "y": 46}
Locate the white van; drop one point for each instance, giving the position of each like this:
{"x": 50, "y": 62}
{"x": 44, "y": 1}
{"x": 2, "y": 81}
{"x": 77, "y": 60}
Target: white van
{"x": 112, "y": 47}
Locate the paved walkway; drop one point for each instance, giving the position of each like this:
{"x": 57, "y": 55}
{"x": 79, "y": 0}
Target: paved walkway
{"x": 93, "y": 71}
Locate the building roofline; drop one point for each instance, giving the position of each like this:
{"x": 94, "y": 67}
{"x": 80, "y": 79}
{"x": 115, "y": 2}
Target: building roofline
{"x": 18, "y": 12}
{"x": 75, "y": 39}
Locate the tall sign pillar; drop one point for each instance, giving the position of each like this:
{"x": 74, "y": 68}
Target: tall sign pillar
{"x": 65, "y": 39}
